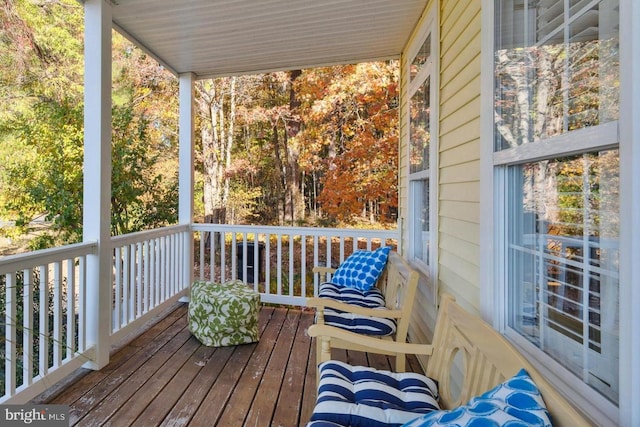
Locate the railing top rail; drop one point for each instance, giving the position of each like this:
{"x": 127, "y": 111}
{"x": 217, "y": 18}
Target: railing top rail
{"x": 307, "y": 231}
{"x": 141, "y": 236}
{"x": 13, "y": 263}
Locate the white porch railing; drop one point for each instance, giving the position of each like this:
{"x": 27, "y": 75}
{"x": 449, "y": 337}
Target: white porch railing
{"x": 151, "y": 270}
{"x": 44, "y": 299}
{"x": 278, "y": 261}
{"x": 44, "y": 293}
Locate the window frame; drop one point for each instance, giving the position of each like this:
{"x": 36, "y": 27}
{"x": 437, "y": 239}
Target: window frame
{"x": 493, "y": 237}
{"x": 429, "y": 70}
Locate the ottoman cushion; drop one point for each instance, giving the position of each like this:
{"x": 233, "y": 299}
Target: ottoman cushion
{"x": 223, "y": 314}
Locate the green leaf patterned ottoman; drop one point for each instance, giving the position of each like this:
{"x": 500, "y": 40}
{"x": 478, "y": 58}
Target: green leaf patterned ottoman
{"x": 222, "y": 314}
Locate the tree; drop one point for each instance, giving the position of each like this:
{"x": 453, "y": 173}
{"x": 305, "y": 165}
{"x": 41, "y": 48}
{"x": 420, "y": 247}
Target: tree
{"x": 41, "y": 127}
{"x": 216, "y": 102}
{"x": 351, "y": 138}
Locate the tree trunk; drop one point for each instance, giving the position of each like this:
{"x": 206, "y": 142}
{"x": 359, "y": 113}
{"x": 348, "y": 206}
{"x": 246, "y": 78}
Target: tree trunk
{"x": 294, "y": 199}
{"x": 281, "y": 179}
{"x": 217, "y": 143}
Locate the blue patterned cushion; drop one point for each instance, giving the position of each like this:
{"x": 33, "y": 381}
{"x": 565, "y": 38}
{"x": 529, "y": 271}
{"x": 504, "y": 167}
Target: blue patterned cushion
{"x": 323, "y": 424}
{"x": 360, "y": 396}
{"x": 515, "y": 403}
{"x": 361, "y": 269}
{"x": 372, "y": 298}
{"x": 357, "y": 323}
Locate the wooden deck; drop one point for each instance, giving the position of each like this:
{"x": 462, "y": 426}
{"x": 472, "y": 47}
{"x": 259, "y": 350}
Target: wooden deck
{"x": 166, "y": 377}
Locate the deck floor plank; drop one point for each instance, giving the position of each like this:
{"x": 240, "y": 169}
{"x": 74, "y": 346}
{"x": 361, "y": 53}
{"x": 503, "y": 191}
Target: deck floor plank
{"x": 87, "y": 402}
{"x": 154, "y": 384}
{"x": 263, "y": 405}
{"x": 166, "y": 377}
{"x": 239, "y": 403}
{"x": 309, "y": 390}
{"x": 289, "y": 405}
{"x": 158, "y": 332}
{"x": 187, "y": 405}
{"x": 159, "y": 407}
{"x": 218, "y": 371}
{"x": 126, "y": 389}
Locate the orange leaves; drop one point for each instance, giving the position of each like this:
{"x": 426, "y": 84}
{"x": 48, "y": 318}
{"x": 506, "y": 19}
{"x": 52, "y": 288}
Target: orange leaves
{"x": 354, "y": 127}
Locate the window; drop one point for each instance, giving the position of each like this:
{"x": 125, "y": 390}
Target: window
{"x": 421, "y": 161}
{"x": 556, "y": 162}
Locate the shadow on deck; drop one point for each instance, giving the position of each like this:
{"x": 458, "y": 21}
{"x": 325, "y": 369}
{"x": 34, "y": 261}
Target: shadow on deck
{"x": 166, "y": 377}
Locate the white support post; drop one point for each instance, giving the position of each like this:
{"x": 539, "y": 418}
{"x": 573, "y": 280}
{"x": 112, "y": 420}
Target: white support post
{"x": 97, "y": 176}
{"x": 185, "y": 184}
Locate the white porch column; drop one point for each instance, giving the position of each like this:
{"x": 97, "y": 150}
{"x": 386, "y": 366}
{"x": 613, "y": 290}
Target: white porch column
{"x": 186, "y": 157}
{"x": 97, "y": 175}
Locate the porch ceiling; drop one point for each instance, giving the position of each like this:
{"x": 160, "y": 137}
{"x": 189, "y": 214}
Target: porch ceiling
{"x": 224, "y": 37}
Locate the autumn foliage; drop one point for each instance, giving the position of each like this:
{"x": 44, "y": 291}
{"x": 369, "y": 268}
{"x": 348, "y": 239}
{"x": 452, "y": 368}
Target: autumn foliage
{"x": 351, "y": 135}
{"x": 298, "y": 147}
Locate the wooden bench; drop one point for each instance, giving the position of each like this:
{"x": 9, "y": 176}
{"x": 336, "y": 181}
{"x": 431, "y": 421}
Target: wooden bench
{"x": 398, "y": 283}
{"x": 488, "y": 359}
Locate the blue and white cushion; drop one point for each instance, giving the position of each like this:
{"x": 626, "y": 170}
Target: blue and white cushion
{"x": 361, "y": 269}
{"x": 516, "y": 402}
{"x": 360, "y": 396}
{"x": 367, "y": 325}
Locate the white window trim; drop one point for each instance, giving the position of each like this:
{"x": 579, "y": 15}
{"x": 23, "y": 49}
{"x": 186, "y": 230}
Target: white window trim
{"x": 428, "y": 26}
{"x": 492, "y": 296}
{"x": 629, "y": 411}
{"x": 597, "y": 138}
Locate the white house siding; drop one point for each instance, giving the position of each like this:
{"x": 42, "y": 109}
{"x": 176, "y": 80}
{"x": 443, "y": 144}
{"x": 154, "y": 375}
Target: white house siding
{"x": 459, "y": 148}
{"x": 458, "y": 270}
{"x": 423, "y": 316}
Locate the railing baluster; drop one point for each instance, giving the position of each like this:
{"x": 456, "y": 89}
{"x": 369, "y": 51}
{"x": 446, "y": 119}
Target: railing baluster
{"x": 10, "y": 316}
{"x": 163, "y": 268}
{"x": 153, "y": 267}
{"x": 303, "y": 266}
{"x": 27, "y": 327}
{"x": 316, "y": 261}
{"x": 267, "y": 266}
{"x": 147, "y": 268}
{"x": 71, "y": 309}
{"x": 279, "y": 266}
{"x": 139, "y": 291}
{"x": 117, "y": 313}
{"x": 156, "y": 263}
{"x": 292, "y": 242}
{"x": 125, "y": 287}
{"x": 57, "y": 314}
{"x": 234, "y": 256}
{"x": 132, "y": 282}
{"x": 223, "y": 257}
{"x": 172, "y": 264}
{"x": 213, "y": 265}
{"x": 82, "y": 303}
{"x": 256, "y": 261}
{"x": 43, "y": 336}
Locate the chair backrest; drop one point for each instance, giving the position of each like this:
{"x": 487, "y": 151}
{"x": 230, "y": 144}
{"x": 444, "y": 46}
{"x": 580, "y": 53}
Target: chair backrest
{"x": 399, "y": 283}
{"x": 487, "y": 360}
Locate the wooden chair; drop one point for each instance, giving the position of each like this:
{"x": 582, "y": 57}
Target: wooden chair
{"x": 487, "y": 360}
{"x": 398, "y": 284}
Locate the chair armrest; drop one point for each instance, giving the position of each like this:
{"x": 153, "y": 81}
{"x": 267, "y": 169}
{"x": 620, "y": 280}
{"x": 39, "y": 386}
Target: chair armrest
{"x": 325, "y": 333}
{"x": 321, "y": 303}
